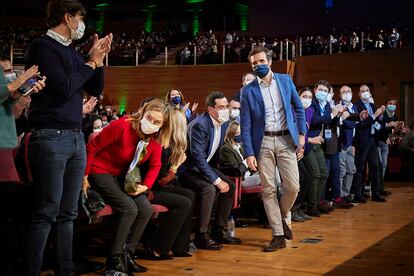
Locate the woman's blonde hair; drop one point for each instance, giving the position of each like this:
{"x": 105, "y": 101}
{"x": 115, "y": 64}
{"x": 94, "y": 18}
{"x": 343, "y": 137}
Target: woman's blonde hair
{"x": 135, "y": 119}
{"x": 231, "y": 132}
{"x": 173, "y": 134}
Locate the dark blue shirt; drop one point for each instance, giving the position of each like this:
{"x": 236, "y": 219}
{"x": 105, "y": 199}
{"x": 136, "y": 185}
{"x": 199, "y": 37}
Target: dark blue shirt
{"x": 59, "y": 104}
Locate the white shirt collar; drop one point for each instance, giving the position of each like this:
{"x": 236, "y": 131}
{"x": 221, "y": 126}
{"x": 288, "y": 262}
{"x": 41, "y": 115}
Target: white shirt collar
{"x": 59, "y": 38}
{"x": 215, "y": 123}
{"x": 261, "y": 81}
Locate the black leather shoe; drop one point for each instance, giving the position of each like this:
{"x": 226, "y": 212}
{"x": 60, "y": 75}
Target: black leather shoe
{"x": 385, "y": 193}
{"x": 203, "y": 241}
{"x": 132, "y": 265}
{"x": 152, "y": 254}
{"x": 359, "y": 200}
{"x": 277, "y": 242}
{"x": 223, "y": 236}
{"x": 286, "y": 230}
{"x": 378, "y": 198}
{"x": 183, "y": 255}
{"x": 241, "y": 224}
{"x": 116, "y": 263}
{"x": 313, "y": 212}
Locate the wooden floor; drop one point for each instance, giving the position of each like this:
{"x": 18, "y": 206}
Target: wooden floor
{"x": 370, "y": 239}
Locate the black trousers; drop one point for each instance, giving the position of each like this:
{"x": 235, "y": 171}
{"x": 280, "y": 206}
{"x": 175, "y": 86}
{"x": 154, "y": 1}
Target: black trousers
{"x": 175, "y": 225}
{"x": 368, "y": 154}
{"x": 205, "y": 194}
{"x": 133, "y": 212}
{"x": 304, "y": 182}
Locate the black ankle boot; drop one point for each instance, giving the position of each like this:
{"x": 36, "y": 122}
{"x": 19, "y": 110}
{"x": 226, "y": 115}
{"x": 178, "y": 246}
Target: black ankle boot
{"x": 132, "y": 265}
{"x": 116, "y": 263}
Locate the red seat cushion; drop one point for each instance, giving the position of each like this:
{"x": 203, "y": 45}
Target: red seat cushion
{"x": 252, "y": 190}
{"x": 107, "y": 210}
{"x": 159, "y": 208}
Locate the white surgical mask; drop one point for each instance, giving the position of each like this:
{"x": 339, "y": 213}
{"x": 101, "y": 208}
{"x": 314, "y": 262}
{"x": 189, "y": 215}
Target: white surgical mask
{"x": 366, "y": 95}
{"x": 306, "y": 102}
{"x": 347, "y": 97}
{"x": 234, "y": 113}
{"x": 97, "y": 129}
{"x": 223, "y": 115}
{"x": 371, "y": 99}
{"x": 79, "y": 32}
{"x": 147, "y": 127}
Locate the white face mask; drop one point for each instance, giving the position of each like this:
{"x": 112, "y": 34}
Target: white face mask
{"x": 347, "y": 97}
{"x": 306, "y": 102}
{"x": 234, "y": 113}
{"x": 147, "y": 127}
{"x": 79, "y": 32}
{"x": 98, "y": 129}
{"x": 371, "y": 100}
{"x": 223, "y": 115}
{"x": 366, "y": 95}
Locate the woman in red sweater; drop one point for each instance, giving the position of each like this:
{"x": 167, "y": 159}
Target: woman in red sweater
{"x": 109, "y": 156}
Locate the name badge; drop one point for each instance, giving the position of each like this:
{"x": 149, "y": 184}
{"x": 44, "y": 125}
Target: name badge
{"x": 328, "y": 134}
{"x": 377, "y": 126}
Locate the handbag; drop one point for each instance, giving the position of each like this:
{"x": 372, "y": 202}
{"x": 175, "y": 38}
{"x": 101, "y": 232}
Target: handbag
{"x": 133, "y": 177}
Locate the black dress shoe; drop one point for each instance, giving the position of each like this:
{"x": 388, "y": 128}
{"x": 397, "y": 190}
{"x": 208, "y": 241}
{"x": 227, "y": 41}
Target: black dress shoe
{"x": 286, "y": 230}
{"x": 183, "y": 255}
{"x": 359, "y": 200}
{"x": 378, "y": 198}
{"x": 313, "y": 212}
{"x": 132, "y": 265}
{"x": 117, "y": 263}
{"x": 203, "y": 241}
{"x": 385, "y": 193}
{"x": 223, "y": 236}
{"x": 241, "y": 224}
{"x": 278, "y": 242}
{"x": 152, "y": 254}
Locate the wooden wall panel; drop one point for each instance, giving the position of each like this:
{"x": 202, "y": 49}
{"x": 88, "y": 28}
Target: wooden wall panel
{"x": 126, "y": 86}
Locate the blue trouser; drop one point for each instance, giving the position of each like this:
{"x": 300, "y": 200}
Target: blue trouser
{"x": 383, "y": 155}
{"x": 57, "y": 159}
{"x": 334, "y": 171}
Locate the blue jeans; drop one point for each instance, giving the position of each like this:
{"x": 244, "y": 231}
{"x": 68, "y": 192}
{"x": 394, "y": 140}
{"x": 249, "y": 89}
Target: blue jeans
{"x": 383, "y": 155}
{"x": 57, "y": 159}
{"x": 332, "y": 166}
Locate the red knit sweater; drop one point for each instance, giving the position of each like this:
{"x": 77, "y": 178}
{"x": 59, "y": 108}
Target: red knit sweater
{"x": 112, "y": 151}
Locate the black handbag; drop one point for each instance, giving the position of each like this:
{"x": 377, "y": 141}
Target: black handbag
{"x": 92, "y": 203}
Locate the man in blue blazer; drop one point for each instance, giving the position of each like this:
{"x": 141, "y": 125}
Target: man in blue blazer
{"x": 273, "y": 127}
{"x": 366, "y": 146}
{"x": 205, "y": 138}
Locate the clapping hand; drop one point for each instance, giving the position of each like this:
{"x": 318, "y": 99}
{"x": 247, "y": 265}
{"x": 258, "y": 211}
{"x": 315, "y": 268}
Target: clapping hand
{"x": 89, "y": 105}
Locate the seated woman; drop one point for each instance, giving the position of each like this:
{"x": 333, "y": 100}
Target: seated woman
{"x": 109, "y": 156}
{"x": 175, "y": 225}
{"x": 232, "y": 162}
{"x": 96, "y": 128}
{"x": 176, "y": 98}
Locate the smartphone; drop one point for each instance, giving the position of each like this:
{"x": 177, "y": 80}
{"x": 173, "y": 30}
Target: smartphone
{"x": 27, "y": 88}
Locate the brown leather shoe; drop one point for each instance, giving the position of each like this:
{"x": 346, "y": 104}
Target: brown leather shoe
{"x": 286, "y": 230}
{"x": 277, "y": 242}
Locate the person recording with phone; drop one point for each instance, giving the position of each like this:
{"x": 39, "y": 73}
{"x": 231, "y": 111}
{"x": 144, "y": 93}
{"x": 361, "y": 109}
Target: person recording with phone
{"x": 57, "y": 153}
{"x": 10, "y": 84}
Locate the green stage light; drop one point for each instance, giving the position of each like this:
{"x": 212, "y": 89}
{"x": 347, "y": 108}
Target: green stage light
{"x": 194, "y": 1}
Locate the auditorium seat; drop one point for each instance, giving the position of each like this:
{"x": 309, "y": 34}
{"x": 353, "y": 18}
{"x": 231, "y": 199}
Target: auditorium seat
{"x": 237, "y": 193}
{"x": 252, "y": 190}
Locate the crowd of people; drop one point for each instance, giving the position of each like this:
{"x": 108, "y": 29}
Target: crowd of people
{"x": 309, "y": 152}
{"x": 210, "y": 48}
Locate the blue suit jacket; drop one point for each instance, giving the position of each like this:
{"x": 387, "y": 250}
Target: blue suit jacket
{"x": 253, "y": 113}
{"x": 200, "y": 142}
{"x": 363, "y": 134}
